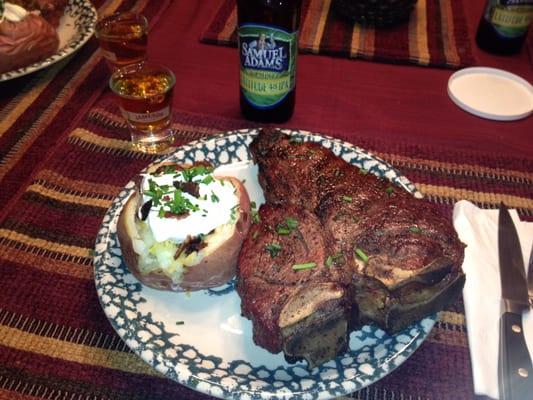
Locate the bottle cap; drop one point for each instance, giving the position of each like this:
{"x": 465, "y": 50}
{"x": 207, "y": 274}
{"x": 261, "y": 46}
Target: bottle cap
{"x": 491, "y": 93}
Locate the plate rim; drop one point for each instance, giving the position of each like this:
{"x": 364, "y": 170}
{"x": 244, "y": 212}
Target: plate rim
{"x": 60, "y": 54}
{"x": 118, "y": 202}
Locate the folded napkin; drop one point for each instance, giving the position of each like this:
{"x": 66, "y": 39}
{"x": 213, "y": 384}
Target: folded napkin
{"x": 478, "y": 229}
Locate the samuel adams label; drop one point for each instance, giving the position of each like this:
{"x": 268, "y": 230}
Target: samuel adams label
{"x": 267, "y": 55}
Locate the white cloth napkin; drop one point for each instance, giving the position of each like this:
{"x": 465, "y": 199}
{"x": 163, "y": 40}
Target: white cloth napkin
{"x": 478, "y": 229}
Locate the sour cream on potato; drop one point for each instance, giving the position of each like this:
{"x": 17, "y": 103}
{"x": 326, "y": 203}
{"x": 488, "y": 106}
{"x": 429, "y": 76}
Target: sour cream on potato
{"x": 216, "y": 204}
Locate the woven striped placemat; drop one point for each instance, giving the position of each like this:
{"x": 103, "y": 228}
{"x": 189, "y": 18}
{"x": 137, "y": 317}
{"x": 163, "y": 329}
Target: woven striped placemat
{"x": 55, "y": 341}
{"x": 436, "y": 34}
{"x": 37, "y": 109}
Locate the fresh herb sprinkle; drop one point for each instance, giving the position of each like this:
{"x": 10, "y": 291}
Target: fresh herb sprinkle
{"x": 347, "y": 199}
{"x": 287, "y": 226}
{"x": 361, "y": 254}
{"x": 299, "y": 267}
{"x": 291, "y": 223}
{"x": 282, "y": 230}
{"x": 273, "y": 249}
{"x": 255, "y": 217}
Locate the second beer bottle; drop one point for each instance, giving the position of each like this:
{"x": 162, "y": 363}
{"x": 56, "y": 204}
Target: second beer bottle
{"x": 268, "y": 47}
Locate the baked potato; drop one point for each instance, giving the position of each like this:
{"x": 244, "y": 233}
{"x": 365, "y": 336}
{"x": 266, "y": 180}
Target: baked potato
{"x": 183, "y": 227}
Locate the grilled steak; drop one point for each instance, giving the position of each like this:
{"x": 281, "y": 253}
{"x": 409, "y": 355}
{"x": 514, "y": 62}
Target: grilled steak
{"x": 288, "y": 308}
{"x": 335, "y": 248}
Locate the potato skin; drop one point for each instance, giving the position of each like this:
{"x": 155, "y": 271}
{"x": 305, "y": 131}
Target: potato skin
{"x": 217, "y": 267}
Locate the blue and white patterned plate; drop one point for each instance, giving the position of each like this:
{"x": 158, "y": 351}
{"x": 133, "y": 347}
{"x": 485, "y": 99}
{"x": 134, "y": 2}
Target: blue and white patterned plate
{"x": 200, "y": 340}
{"x": 75, "y": 28}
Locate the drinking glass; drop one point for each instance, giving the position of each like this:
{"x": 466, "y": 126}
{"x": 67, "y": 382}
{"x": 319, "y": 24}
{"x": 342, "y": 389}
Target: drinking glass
{"x": 145, "y": 91}
{"x": 123, "y": 38}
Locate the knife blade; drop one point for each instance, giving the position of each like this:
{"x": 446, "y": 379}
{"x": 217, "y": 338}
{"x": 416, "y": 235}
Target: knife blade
{"x": 515, "y": 371}
{"x": 530, "y": 278}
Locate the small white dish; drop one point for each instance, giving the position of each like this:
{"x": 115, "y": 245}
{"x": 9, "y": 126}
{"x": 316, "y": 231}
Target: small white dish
{"x": 491, "y": 93}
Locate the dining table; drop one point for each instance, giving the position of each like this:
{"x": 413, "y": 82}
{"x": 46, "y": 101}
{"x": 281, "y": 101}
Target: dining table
{"x": 65, "y": 155}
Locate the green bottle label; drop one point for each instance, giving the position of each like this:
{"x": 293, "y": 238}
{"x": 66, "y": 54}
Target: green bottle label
{"x": 510, "y": 18}
{"x": 268, "y": 64}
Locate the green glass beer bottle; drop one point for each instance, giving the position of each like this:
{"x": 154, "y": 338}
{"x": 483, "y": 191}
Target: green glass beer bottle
{"x": 504, "y": 25}
{"x": 268, "y": 47}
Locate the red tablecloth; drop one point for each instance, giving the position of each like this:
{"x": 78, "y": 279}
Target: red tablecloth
{"x": 64, "y": 156}
{"x": 398, "y": 103}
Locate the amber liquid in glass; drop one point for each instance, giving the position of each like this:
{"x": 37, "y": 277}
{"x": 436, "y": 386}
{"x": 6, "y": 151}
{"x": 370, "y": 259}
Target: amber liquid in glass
{"x": 123, "y": 39}
{"x": 145, "y": 103}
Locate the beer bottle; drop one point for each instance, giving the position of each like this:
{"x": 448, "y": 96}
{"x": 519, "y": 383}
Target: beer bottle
{"x": 503, "y": 26}
{"x": 268, "y": 46}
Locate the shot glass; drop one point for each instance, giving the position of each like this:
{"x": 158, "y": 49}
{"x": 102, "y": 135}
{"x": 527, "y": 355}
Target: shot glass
{"x": 144, "y": 92}
{"x": 123, "y": 38}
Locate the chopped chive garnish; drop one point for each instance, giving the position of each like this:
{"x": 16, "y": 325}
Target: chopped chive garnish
{"x": 361, "y": 254}
{"x": 156, "y": 192}
{"x": 243, "y": 181}
{"x": 287, "y": 227}
{"x": 282, "y": 230}
{"x": 255, "y": 235}
{"x": 389, "y": 190}
{"x": 169, "y": 169}
{"x": 180, "y": 322}
{"x": 347, "y": 199}
{"x": 208, "y": 179}
{"x": 363, "y": 171}
{"x": 214, "y": 198}
{"x": 415, "y": 229}
{"x": 335, "y": 258}
{"x": 255, "y": 217}
{"x": 253, "y": 206}
{"x": 273, "y": 249}
{"x": 190, "y": 173}
{"x": 291, "y": 223}
{"x": 234, "y": 213}
{"x": 299, "y": 267}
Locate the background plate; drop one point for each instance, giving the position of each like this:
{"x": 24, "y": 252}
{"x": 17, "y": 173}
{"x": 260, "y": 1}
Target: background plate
{"x": 75, "y": 28}
{"x": 213, "y": 351}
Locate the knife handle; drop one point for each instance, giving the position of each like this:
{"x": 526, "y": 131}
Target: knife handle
{"x": 515, "y": 371}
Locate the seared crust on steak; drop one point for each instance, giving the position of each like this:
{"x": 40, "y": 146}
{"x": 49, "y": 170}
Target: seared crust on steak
{"x": 287, "y": 306}
{"x": 379, "y": 254}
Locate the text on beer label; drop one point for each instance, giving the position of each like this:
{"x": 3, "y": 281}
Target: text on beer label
{"x": 268, "y": 63}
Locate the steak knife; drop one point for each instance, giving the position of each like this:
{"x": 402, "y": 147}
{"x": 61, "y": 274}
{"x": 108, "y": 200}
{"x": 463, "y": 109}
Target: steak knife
{"x": 530, "y": 279}
{"x": 515, "y": 372}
